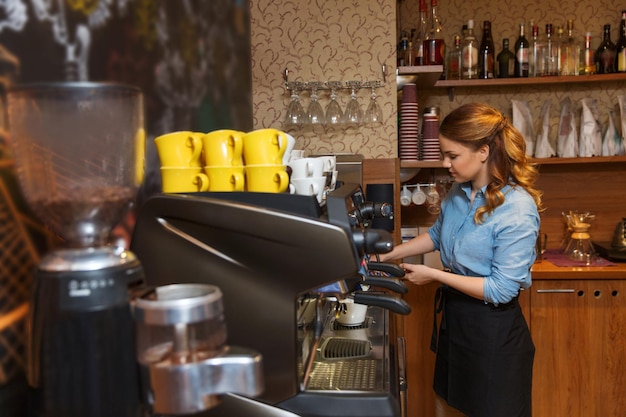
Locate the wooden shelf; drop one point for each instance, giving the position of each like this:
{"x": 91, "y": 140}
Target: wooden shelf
{"x": 589, "y": 160}
{"x": 540, "y": 161}
{"x": 427, "y": 75}
{"x": 566, "y": 79}
{"x": 421, "y": 164}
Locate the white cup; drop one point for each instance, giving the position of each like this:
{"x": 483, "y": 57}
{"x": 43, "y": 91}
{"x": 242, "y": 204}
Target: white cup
{"x": 330, "y": 162}
{"x": 296, "y": 154}
{"x": 307, "y": 168}
{"x": 405, "y": 196}
{"x": 432, "y": 195}
{"x": 291, "y": 143}
{"x": 418, "y": 197}
{"x": 308, "y": 186}
{"x": 353, "y": 314}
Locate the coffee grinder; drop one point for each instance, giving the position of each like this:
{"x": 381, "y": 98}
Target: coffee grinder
{"x": 79, "y": 152}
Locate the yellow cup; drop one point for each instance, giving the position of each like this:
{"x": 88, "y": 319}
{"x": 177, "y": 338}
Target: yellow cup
{"x": 225, "y": 178}
{"x": 267, "y": 178}
{"x": 264, "y": 147}
{"x": 180, "y": 149}
{"x": 223, "y": 148}
{"x": 183, "y": 180}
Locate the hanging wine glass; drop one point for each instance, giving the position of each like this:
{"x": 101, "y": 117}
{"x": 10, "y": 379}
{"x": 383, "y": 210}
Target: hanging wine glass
{"x": 334, "y": 114}
{"x": 314, "y": 112}
{"x": 353, "y": 114}
{"x": 374, "y": 113}
{"x": 295, "y": 112}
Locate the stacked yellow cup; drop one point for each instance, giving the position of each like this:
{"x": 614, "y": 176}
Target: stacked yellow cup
{"x": 263, "y": 152}
{"x": 223, "y": 157}
{"x": 180, "y": 154}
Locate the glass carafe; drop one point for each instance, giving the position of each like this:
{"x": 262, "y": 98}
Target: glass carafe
{"x": 580, "y": 247}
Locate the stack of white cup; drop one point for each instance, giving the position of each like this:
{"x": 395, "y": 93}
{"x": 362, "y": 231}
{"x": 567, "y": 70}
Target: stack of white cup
{"x": 307, "y": 177}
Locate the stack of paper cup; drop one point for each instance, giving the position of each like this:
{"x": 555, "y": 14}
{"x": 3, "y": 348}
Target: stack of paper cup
{"x": 429, "y": 146}
{"x": 408, "y": 143}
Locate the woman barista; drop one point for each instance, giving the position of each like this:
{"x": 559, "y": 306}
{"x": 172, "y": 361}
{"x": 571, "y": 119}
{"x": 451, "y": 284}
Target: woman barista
{"x": 486, "y": 233}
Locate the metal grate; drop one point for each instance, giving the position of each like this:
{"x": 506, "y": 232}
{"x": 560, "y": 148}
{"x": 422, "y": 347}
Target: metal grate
{"x": 358, "y": 375}
{"x": 340, "y": 348}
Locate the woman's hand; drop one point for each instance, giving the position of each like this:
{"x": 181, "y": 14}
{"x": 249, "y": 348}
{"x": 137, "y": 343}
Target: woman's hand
{"x": 418, "y": 274}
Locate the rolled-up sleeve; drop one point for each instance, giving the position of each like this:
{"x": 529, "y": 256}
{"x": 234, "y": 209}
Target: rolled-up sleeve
{"x": 513, "y": 251}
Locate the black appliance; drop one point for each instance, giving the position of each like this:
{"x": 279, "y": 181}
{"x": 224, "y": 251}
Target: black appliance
{"x": 270, "y": 254}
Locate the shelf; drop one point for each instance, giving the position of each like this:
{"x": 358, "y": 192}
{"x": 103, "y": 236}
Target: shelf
{"x": 565, "y": 79}
{"x": 541, "y": 161}
{"x": 421, "y": 164}
{"x": 427, "y": 75}
{"x": 588, "y": 160}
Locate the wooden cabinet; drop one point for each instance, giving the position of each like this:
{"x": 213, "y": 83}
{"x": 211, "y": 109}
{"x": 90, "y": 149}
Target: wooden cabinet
{"x": 579, "y": 330}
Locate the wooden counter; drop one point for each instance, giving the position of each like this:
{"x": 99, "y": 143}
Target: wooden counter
{"x": 547, "y": 270}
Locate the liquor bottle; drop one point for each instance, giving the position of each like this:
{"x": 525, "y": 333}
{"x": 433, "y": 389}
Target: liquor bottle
{"x": 587, "y": 57}
{"x": 421, "y": 33}
{"x": 621, "y": 45}
{"x": 434, "y": 46}
{"x": 409, "y": 57}
{"x": 453, "y": 63}
{"x": 550, "y": 54}
{"x": 535, "y": 58}
{"x": 487, "y": 54}
{"x": 560, "y": 37}
{"x": 506, "y": 61}
{"x": 403, "y": 45}
{"x": 605, "y": 54}
{"x": 470, "y": 53}
{"x": 521, "y": 53}
{"x": 569, "y": 51}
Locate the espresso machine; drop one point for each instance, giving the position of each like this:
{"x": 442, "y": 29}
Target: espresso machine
{"x": 288, "y": 269}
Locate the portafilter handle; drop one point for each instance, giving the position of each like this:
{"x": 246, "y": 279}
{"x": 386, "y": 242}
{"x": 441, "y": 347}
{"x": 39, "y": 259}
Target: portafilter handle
{"x": 392, "y": 284}
{"x": 380, "y": 299}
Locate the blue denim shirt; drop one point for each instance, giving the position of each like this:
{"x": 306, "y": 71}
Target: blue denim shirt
{"x": 501, "y": 249}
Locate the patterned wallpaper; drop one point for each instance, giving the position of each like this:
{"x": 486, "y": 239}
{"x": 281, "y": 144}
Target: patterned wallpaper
{"x": 324, "y": 40}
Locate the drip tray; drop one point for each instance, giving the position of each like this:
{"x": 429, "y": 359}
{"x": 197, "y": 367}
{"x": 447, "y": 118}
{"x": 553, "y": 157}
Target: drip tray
{"x": 343, "y": 348}
{"x": 359, "y": 375}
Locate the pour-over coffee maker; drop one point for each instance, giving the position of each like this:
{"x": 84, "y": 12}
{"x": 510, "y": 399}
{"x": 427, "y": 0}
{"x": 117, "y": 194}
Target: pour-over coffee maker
{"x": 579, "y": 246}
{"x": 79, "y": 150}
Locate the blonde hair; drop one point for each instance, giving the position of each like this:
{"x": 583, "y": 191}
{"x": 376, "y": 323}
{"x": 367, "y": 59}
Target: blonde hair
{"x": 475, "y": 125}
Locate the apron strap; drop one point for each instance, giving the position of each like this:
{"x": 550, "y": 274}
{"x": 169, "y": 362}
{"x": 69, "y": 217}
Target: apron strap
{"x": 440, "y": 302}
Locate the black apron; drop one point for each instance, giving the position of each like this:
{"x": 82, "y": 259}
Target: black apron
{"x": 484, "y": 356}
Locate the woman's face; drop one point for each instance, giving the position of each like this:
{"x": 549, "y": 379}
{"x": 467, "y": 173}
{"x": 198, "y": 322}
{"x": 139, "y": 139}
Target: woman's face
{"x": 463, "y": 163}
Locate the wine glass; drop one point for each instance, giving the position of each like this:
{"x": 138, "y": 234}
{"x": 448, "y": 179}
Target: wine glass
{"x": 314, "y": 112}
{"x": 353, "y": 114}
{"x": 374, "y": 113}
{"x": 295, "y": 112}
{"x": 334, "y": 114}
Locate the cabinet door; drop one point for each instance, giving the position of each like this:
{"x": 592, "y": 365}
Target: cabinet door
{"x": 579, "y": 330}
{"x": 420, "y": 361}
